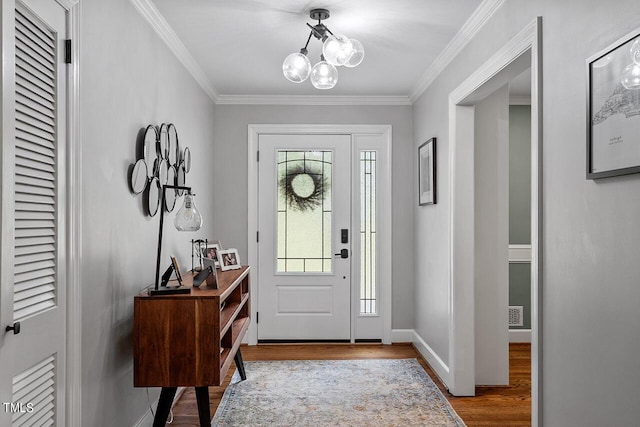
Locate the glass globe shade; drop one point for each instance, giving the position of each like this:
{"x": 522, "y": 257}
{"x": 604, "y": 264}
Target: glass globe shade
{"x": 296, "y": 67}
{"x": 631, "y": 76}
{"x": 324, "y": 75}
{"x": 635, "y": 51}
{"x": 357, "y": 56}
{"x": 337, "y": 50}
{"x": 188, "y": 218}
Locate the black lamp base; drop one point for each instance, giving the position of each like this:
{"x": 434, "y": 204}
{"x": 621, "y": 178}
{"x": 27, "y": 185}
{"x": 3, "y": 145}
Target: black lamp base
{"x": 163, "y": 290}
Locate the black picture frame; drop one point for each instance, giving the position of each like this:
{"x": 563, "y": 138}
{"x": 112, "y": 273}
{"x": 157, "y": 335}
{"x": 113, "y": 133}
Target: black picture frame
{"x": 613, "y": 111}
{"x": 427, "y": 165}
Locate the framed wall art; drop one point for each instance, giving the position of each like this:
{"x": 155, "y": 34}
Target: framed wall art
{"x": 427, "y": 173}
{"x": 613, "y": 109}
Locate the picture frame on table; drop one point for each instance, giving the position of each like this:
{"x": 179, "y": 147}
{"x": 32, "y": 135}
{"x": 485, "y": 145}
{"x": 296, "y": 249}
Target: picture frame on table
{"x": 427, "y": 173}
{"x": 613, "y": 109}
{"x": 229, "y": 259}
{"x": 210, "y": 254}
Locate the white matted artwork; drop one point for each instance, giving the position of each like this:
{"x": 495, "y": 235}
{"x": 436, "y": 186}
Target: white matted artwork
{"x": 613, "y": 144}
{"x": 427, "y": 173}
{"x": 229, "y": 259}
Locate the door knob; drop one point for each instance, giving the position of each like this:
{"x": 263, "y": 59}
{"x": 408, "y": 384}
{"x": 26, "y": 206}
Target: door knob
{"x": 344, "y": 253}
{"x": 15, "y": 328}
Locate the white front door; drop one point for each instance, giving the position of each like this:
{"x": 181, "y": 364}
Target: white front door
{"x": 32, "y": 287}
{"x": 304, "y": 224}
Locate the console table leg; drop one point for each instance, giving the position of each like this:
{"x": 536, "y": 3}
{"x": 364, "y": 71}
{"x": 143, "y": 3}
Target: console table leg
{"x": 240, "y": 365}
{"x": 164, "y": 406}
{"x": 204, "y": 414}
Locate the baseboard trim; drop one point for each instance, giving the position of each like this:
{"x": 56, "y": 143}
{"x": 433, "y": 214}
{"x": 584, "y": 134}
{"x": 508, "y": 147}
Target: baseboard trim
{"x": 437, "y": 364}
{"x": 520, "y": 335}
{"x": 147, "y": 418}
{"x": 402, "y": 335}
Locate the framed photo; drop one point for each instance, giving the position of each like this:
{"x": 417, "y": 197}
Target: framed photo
{"x": 210, "y": 254}
{"x": 229, "y": 259}
{"x": 176, "y": 268}
{"x": 427, "y": 173}
{"x": 613, "y": 109}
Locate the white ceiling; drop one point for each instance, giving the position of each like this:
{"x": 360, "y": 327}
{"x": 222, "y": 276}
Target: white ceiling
{"x": 240, "y": 44}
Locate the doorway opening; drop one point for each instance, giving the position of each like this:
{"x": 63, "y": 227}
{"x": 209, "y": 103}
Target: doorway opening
{"x": 519, "y": 54}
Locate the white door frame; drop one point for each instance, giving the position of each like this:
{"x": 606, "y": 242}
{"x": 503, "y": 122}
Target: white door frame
{"x": 525, "y": 47}
{"x": 73, "y": 209}
{"x": 384, "y": 198}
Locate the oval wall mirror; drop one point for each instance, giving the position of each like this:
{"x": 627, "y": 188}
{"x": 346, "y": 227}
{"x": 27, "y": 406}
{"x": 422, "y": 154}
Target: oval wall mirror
{"x": 181, "y": 178}
{"x": 171, "y": 194}
{"x": 138, "y": 178}
{"x": 150, "y": 148}
{"x": 174, "y": 146}
{"x": 163, "y": 141}
{"x": 163, "y": 170}
{"x": 187, "y": 159}
{"x": 153, "y": 196}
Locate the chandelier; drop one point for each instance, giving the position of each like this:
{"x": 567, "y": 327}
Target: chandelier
{"x": 337, "y": 50}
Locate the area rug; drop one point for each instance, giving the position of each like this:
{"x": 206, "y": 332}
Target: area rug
{"x": 374, "y": 392}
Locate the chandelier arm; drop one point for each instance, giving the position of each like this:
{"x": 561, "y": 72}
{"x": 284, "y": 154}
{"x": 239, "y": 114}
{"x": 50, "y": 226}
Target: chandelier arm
{"x": 308, "y": 40}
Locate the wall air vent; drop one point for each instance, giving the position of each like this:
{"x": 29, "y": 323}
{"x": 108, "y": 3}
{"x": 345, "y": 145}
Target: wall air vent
{"x": 515, "y": 315}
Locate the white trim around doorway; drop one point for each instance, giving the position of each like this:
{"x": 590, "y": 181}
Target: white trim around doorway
{"x": 254, "y": 131}
{"x": 525, "y": 46}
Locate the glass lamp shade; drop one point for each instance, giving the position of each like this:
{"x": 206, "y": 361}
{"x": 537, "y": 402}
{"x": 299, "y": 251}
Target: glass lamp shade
{"x": 631, "y": 76}
{"x": 635, "y": 51}
{"x": 188, "y": 218}
{"x": 357, "y": 56}
{"x": 324, "y": 75}
{"x": 296, "y": 67}
{"x": 337, "y": 50}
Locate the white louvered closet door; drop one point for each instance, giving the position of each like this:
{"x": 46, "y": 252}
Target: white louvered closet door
{"x": 32, "y": 265}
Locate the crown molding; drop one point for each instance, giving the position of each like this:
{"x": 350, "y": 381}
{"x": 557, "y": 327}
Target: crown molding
{"x": 311, "y": 100}
{"x": 152, "y": 15}
{"x": 475, "y": 22}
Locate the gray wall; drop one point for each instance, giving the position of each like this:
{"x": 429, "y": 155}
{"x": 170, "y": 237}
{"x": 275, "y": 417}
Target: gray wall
{"x": 230, "y": 164}
{"x": 129, "y": 79}
{"x": 520, "y": 207}
{"x": 590, "y": 341}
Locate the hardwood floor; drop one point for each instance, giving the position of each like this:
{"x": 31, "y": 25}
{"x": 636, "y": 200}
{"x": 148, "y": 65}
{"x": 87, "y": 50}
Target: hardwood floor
{"x": 492, "y": 406}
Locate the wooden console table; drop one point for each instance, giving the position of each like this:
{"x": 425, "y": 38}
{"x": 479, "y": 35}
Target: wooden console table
{"x": 189, "y": 340}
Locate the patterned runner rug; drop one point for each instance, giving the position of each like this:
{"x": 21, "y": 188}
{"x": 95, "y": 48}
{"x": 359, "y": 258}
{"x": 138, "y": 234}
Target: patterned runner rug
{"x": 373, "y": 392}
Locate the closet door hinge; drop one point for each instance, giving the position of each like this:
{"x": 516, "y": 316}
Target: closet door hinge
{"x": 257, "y": 236}
{"x": 257, "y": 317}
{"x": 67, "y": 51}
{"x": 258, "y": 156}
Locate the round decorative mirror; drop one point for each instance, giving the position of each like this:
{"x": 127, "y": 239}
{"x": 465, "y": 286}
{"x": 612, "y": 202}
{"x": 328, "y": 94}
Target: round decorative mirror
{"x": 186, "y": 159}
{"x": 138, "y": 178}
{"x": 174, "y": 147}
{"x": 153, "y": 196}
{"x": 181, "y": 178}
{"x": 150, "y": 148}
{"x": 163, "y": 142}
{"x": 171, "y": 193}
{"x": 163, "y": 170}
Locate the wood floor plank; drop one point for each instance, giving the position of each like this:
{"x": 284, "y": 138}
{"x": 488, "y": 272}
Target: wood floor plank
{"x": 491, "y": 407}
